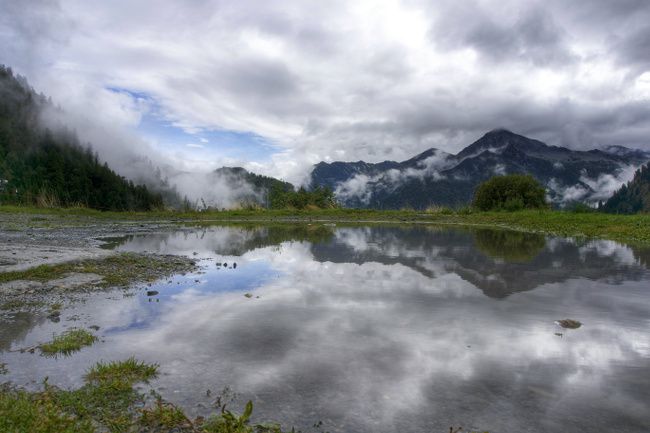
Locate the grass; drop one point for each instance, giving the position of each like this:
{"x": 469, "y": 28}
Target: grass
{"x": 130, "y": 370}
{"x": 164, "y": 416}
{"x": 624, "y": 228}
{"x": 108, "y": 402}
{"x": 116, "y": 270}
{"x": 18, "y": 305}
{"x": 68, "y": 342}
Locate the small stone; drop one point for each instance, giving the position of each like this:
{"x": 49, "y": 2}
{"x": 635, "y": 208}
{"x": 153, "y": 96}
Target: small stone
{"x": 248, "y": 295}
{"x": 152, "y": 292}
{"x": 569, "y": 323}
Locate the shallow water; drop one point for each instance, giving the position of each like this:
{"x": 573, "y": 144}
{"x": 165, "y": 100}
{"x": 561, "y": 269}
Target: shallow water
{"x": 379, "y": 329}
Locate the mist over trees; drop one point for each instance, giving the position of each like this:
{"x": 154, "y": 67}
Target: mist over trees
{"x": 52, "y": 168}
{"x": 633, "y": 197}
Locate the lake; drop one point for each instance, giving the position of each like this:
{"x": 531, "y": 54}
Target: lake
{"x": 377, "y": 329}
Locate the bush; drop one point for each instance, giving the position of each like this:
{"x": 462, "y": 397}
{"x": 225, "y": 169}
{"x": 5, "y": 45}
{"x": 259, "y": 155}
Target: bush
{"x": 512, "y": 192}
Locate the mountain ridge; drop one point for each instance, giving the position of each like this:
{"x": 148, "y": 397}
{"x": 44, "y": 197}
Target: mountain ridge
{"x": 437, "y": 178}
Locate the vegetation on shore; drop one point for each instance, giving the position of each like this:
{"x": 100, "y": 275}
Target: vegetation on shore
{"x": 623, "y": 228}
{"x": 53, "y": 168}
{"x": 116, "y": 270}
{"x": 108, "y": 402}
{"x": 632, "y": 197}
{"x": 511, "y": 192}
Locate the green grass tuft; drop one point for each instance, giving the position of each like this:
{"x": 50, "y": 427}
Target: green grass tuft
{"x": 68, "y": 342}
{"x": 23, "y": 412}
{"x": 130, "y": 371}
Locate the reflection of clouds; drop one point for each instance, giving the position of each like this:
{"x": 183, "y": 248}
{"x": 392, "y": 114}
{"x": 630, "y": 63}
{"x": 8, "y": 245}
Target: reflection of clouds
{"x": 360, "y": 340}
{"x": 399, "y": 340}
{"x": 620, "y": 253}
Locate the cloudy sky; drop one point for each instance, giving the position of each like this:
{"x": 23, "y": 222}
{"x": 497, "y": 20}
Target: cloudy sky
{"x": 278, "y": 86}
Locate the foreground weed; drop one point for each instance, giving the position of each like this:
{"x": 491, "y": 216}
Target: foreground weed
{"x": 164, "y": 415}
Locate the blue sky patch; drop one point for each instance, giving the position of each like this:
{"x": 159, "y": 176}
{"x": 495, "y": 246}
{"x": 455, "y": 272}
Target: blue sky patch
{"x": 206, "y": 143}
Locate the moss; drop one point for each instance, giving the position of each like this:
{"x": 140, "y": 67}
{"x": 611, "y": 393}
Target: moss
{"x": 108, "y": 402}
{"x": 68, "y": 342}
{"x": 18, "y": 304}
{"x": 116, "y": 270}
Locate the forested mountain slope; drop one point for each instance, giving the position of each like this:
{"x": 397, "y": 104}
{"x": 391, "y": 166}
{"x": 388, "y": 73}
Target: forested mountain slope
{"x": 52, "y": 168}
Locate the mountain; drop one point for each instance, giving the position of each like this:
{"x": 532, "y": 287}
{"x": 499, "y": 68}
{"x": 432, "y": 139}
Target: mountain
{"x": 51, "y": 168}
{"x": 246, "y": 188}
{"x": 634, "y": 196}
{"x": 250, "y": 189}
{"x": 436, "y": 178}
{"x": 235, "y": 175}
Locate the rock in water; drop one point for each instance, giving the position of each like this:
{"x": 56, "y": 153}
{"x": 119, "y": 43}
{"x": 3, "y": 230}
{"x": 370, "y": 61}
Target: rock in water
{"x": 569, "y": 323}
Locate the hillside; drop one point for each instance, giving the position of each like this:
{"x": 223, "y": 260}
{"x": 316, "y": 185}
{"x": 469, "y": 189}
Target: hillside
{"x": 52, "y": 168}
{"x": 435, "y": 177}
{"x": 634, "y": 196}
{"x": 248, "y": 188}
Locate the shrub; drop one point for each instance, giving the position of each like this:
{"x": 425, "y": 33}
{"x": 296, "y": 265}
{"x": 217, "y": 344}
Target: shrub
{"x": 512, "y": 192}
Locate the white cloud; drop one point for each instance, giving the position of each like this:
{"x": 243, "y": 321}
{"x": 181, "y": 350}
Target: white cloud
{"x": 343, "y": 81}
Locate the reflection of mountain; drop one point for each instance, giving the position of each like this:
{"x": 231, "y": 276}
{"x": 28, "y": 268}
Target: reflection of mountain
{"x": 233, "y": 240}
{"x": 497, "y": 262}
{"x": 509, "y": 246}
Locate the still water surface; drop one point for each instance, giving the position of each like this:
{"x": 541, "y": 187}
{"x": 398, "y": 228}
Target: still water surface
{"x": 379, "y": 329}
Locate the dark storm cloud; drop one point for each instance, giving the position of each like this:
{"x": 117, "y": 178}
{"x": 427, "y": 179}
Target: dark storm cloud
{"x": 634, "y": 49}
{"x": 260, "y": 78}
{"x": 532, "y": 36}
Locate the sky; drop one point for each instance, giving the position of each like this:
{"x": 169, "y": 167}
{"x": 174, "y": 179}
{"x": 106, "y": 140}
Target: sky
{"x": 277, "y": 86}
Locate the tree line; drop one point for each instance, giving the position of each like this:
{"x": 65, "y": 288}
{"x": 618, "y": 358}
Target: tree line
{"x": 51, "y": 168}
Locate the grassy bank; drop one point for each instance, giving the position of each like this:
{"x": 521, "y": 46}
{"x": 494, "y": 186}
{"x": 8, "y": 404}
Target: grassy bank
{"x": 108, "y": 402}
{"x": 116, "y": 271}
{"x": 624, "y": 228}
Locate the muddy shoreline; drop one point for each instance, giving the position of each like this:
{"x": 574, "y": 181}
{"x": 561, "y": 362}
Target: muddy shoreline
{"x": 46, "y": 261}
